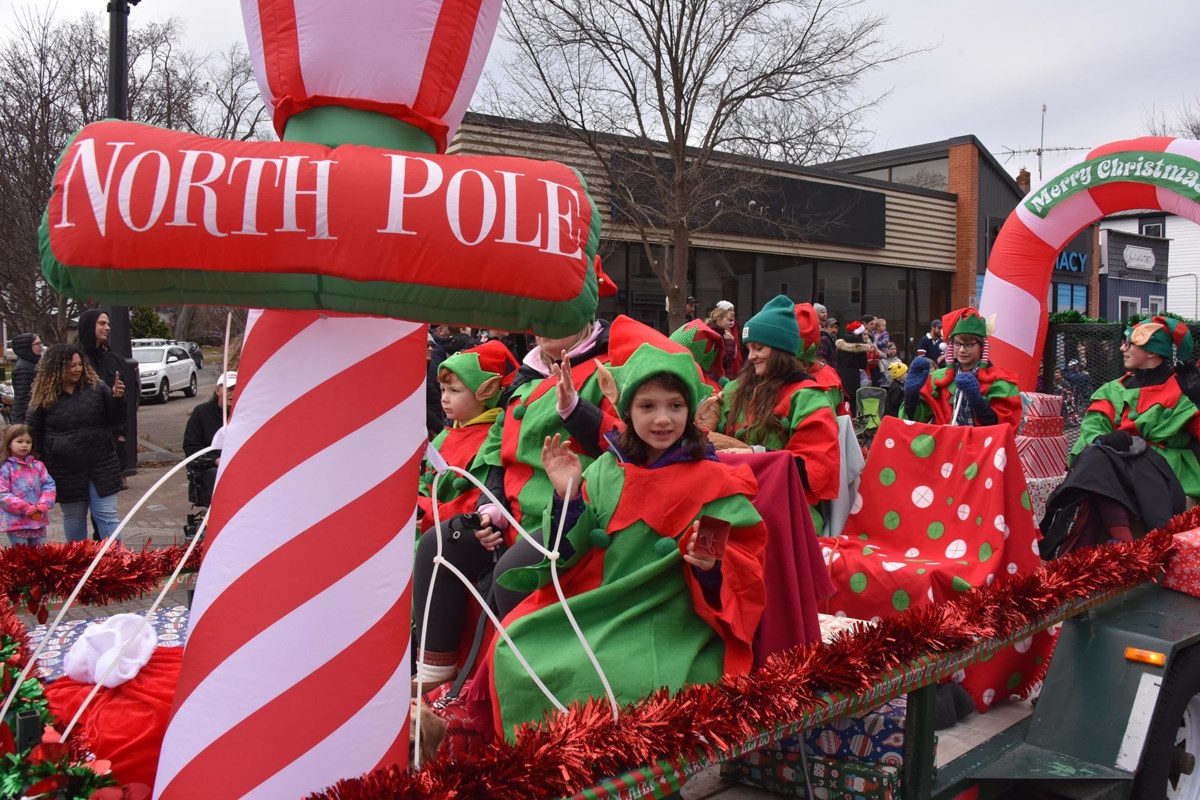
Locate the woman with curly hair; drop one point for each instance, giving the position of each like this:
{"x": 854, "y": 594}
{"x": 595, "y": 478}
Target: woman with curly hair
{"x": 71, "y": 415}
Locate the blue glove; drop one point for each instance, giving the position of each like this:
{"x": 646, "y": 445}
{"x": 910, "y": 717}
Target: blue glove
{"x": 968, "y": 384}
{"x": 918, "y": 372}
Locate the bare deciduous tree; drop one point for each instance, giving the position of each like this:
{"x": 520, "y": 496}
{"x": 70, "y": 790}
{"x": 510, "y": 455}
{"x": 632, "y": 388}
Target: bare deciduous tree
{"x": 659, "y": 90}
{"x": 53, "y": 81}
{"x": 1185, "y": 122}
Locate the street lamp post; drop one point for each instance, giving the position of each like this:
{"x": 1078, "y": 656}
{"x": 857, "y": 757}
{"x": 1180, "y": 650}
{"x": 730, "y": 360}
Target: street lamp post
{"x": 118, "y": 316}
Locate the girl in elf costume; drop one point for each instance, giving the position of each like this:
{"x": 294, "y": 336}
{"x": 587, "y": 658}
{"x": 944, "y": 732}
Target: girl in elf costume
{"x": 661, "y": 559}
{"x": 775, "y": 404}
{"x": 1136, "y": 456}
{"x": 970, "y": 391}
{"x": 470, "y": 382}
{"x": 510, "y": 458}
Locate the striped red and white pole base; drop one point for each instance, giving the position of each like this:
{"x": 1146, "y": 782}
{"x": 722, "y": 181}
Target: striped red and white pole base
{"x": 296, "y": 672}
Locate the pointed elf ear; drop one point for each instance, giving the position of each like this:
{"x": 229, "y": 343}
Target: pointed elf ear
{"x": 608, "y": 386}
{"x": 488, "y": 389}
{"x": 991, "y": 324}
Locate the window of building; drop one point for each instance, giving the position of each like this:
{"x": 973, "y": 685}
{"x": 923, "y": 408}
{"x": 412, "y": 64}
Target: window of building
{"x": 934, "y": 174}
{"x": 1079, "y": 298}
{"x": 788, "y": 275}
{"x": 1128, "y": 307}
{"x": 839, "y": 289}
{"x": 1156, "y": 304}
{"x": 883, "y": 174}
{"x": 1152, "y": 227}
{"x": 724, "y": 275}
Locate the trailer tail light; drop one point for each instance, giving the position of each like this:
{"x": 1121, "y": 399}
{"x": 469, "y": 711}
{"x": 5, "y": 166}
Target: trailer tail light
{"x": 1151, "y": 657}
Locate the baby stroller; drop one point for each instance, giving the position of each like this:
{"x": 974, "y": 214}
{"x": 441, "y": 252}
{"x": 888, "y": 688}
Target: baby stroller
{"x": 201, "y": 474}
{"x": 871, "y": 400}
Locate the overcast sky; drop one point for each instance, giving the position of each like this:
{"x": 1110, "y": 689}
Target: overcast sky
{"x": 1101, "y": 67}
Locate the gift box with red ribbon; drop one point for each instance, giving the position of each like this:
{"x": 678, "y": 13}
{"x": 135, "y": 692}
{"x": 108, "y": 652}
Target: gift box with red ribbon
{"x": 1042, "y": 456}
{"x": 1183, "y": 569}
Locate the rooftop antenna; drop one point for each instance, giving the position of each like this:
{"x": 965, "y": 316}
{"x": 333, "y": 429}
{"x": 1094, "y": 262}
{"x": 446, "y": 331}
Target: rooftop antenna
{"x": 1009, "y": 152}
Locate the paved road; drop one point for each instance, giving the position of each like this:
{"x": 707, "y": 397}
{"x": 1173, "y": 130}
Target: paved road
{"x": 160, "y": 427}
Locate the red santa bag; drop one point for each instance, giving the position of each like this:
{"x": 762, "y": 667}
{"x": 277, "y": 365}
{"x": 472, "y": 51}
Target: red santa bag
{"x": 125, "y": 724}
{"x": 940, "y": 510}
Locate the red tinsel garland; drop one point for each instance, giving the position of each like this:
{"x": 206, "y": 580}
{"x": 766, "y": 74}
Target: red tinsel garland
{"x": 12, "y": 627}
{"x": 53, "y": 570}
{"x": 577, "y": 749}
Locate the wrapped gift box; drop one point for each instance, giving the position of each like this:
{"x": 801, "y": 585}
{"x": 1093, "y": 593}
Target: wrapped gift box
{"x": 1042, "y": 456}
{"x": 1034, "y": 404}
{"x": 832, "y": 779}
{"x": 1183, "y": 568}
{"x": 876, "y": 737}
{"x": 1040, "y": 490}
{"x": 1041, "y": 426}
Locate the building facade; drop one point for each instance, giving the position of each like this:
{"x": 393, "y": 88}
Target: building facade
{"x": 1181, "y": 293}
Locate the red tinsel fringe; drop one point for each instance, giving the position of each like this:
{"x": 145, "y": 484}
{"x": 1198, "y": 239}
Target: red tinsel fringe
{"x": 584, "y": 746}
{"x": 53, "y": 570}
{"x": 12, "y": 627}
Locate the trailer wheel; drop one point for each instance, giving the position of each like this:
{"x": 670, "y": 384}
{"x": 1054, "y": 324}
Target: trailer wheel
{"x": 1169, "y": 766}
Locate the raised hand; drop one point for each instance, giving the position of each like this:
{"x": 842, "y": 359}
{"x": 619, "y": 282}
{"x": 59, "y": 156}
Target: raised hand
{"x": 118, "y": 389}
{"x": 968, "y": 384}
{"x": 565, "y": 388}
{"x": 918, "y": 371}
{"x": 561, "y": 465}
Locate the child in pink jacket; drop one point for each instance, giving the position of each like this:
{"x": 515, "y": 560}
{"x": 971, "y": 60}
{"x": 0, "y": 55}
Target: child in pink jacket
{"x": 26, "y": 490}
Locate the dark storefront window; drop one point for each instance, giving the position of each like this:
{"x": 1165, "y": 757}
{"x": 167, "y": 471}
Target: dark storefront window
{"x": 615, "y": 260}
{"x": 725, "y": 275}
{"x": 787, "y": 275}
{"x": 839, "y": 289}
{"x": 928, "y": 299}
{"x": 646, "y": 299}
{"x": 886, "y": 290}
{"x": 1068, "y": 296}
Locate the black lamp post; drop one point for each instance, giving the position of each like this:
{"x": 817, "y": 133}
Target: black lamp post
{"x": 118, "y": 316}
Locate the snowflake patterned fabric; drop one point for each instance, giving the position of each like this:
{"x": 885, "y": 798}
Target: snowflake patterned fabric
{"x": 940, "y": 510}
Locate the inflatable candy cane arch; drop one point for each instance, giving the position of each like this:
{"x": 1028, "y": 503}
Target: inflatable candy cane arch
{"x": 296, "y": 669}
{"x": 1152, "y": 172}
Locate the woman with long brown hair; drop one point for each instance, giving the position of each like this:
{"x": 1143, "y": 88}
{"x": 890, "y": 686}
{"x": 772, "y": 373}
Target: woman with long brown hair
{"x": 775, "y": 404}
{"x": 71, "y": 415}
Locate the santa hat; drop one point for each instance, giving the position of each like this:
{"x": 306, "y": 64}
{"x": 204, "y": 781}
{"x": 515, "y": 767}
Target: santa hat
{"x": 1164, "y": 336}
{"x": 705, "y": 344}
{"x": 480, "y": 364}
{"x": 775, "y": 326}
{"x": 856, "y": 328}
{"x": 810, "y": 331}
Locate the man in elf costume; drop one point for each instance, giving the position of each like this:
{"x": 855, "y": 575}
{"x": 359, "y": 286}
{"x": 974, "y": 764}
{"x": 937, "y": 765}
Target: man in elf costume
{"x": 652, "y": 618}
{"x": 706, "y": 346}
{"x": 1136, "y": 456}
{"x": 471, "y": 382}
{"x": 970, "y": 391}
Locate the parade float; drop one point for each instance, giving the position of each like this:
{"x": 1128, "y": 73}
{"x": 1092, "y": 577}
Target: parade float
{"x": 295, "y": 677}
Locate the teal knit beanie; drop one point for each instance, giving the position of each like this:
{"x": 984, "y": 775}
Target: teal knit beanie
{"x": 775, "y": 326}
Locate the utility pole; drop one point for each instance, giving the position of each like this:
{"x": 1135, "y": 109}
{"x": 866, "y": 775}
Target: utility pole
{"x": 118, "y": 316}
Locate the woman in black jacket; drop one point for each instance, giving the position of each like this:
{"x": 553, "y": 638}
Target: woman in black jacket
{"x": 72, "y": 414}
{"x": 28, "y": 347}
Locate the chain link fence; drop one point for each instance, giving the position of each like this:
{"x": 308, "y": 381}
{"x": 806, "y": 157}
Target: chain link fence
{"x": 1078, "y": 358}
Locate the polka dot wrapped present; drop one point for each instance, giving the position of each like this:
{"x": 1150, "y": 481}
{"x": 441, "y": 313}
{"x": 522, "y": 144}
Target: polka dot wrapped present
{"x": 940, "y": 510}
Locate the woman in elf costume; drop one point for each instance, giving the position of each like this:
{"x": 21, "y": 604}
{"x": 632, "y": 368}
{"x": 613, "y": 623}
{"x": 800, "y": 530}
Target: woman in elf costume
{"x": 471, "y": 382}
{"x": 775, "y": 404}
{"x": 1136, "y": 456}
{"x": 970, "y": 391}
{"x": 661, "y": 559}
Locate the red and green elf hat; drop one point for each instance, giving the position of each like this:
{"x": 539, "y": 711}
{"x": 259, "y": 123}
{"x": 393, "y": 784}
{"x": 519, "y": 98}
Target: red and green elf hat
{"x": 964, "y": 322}
{"x": 648, "y": 361}
{"x": 701, "y": 340}
{"x": 810, "y": 332}
{"x": 476, "y": 365}
{"x": 1164, "y": 336}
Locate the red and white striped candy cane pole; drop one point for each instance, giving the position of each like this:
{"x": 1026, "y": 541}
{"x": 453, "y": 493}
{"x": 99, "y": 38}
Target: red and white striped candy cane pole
{"x": 296, "y": 672}
{"x": 1151, "y": 172}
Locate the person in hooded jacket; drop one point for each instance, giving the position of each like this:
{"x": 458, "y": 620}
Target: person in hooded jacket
{"x": 28, "y": 347}
{"x": 205, "y": 420}
{"x": 94, "y": 329}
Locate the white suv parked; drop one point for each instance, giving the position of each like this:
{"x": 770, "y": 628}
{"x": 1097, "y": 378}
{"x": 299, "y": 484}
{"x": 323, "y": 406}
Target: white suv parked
{"x": 164, "y": 370}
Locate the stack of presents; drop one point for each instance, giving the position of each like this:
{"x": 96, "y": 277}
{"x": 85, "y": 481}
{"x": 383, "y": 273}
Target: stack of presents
{"x": 853, "y": 758}
{"x": 1042, "y": 447}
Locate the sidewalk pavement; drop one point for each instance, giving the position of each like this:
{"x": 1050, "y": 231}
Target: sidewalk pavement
{"x": 158, "y": 523}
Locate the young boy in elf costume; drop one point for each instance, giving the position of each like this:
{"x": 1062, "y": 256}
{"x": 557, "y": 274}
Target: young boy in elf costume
{"x": 662, "y": 557}
{"x": 775, "y": 404}
{"x": 969, "y": 391}
{"x": 471, "y": 382}
{"x": 1137, "y": 440}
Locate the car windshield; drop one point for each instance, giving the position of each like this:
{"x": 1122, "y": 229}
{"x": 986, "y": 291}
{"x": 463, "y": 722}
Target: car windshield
{"x": 149, "y": 355}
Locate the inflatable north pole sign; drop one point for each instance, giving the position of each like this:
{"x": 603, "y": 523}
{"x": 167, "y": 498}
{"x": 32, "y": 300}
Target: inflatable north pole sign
{"x": 353, "y": 232}
{"x": 1153, "y": 172}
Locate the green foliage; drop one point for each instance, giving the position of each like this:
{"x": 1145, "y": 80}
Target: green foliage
{"x": 145, "y": 324}
{"x": 1075, "y": 317}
